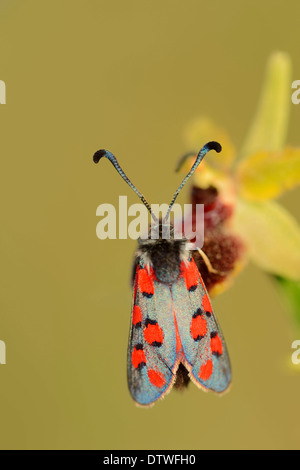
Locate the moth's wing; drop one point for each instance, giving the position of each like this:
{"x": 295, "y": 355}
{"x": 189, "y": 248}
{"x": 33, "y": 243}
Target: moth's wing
{"x": 152, "y": 342}
{"x": 204, "y": 348}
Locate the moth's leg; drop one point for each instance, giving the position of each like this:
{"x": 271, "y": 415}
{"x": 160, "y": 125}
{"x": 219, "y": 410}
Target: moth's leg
{"x": 208, "y": 263}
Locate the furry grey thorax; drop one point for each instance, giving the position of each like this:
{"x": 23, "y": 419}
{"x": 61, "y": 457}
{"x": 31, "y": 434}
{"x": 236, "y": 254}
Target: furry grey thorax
{"x": 164, "y": 255}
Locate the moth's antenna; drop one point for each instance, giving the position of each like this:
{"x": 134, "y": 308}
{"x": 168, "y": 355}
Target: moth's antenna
{"x": 206, "y": 148}
{"x": 105, "y": 153}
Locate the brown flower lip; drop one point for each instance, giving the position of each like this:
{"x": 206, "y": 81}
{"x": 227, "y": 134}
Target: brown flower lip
{"x": 223, "y": 248}
{"x": 215, "y": 211}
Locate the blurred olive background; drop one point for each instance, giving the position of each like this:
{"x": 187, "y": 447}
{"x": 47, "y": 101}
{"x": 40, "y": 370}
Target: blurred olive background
{"x": 127, "y": 76}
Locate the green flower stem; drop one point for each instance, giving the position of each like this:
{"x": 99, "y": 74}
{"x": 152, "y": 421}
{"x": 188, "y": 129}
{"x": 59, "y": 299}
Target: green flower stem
{"x": 290, "y": 295}
{"x": 268, "y": 131}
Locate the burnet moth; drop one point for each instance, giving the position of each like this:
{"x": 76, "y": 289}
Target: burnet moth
{"x": 174, "y": 334}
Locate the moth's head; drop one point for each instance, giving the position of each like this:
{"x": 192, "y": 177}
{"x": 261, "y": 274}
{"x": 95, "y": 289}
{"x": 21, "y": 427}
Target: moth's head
{"x": 157, "y": 232}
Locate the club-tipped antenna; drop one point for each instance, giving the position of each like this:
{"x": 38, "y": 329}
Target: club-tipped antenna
{"x": 206, "y": 148}
{"x": 105, "y": 153}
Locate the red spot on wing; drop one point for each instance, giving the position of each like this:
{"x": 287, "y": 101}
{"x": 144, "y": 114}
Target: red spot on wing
{"x": 153, "y": 334}
{"x": 198, "y": 327}
{"x": 206, "y": 303}
{"x": 145, "y": 280}
{"x": 206, "y": 370}
{"x": 136, "y": 315}
{"x": 138, "y": 357}
{"x": 191, "y": 275}
{"x": 216, "y": 345}
{"x": 156, "y": 378}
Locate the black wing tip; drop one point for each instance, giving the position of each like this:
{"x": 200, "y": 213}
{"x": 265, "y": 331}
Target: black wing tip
{"x": 213, "y": 145}
{"x": 98, "y": 155}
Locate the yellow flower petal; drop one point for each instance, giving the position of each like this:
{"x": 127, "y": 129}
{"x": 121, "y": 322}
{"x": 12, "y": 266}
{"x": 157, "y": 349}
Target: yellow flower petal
{"x": 202, "y": 130}
{"x": 269, "y": 128}
{"x": 206, "y": 176}
{"x": 266, "y": 175}
{"x": 273, "y": 236}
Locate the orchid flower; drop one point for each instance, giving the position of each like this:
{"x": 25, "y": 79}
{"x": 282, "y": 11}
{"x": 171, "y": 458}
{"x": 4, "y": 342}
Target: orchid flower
{"x": 243, "y": 220}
